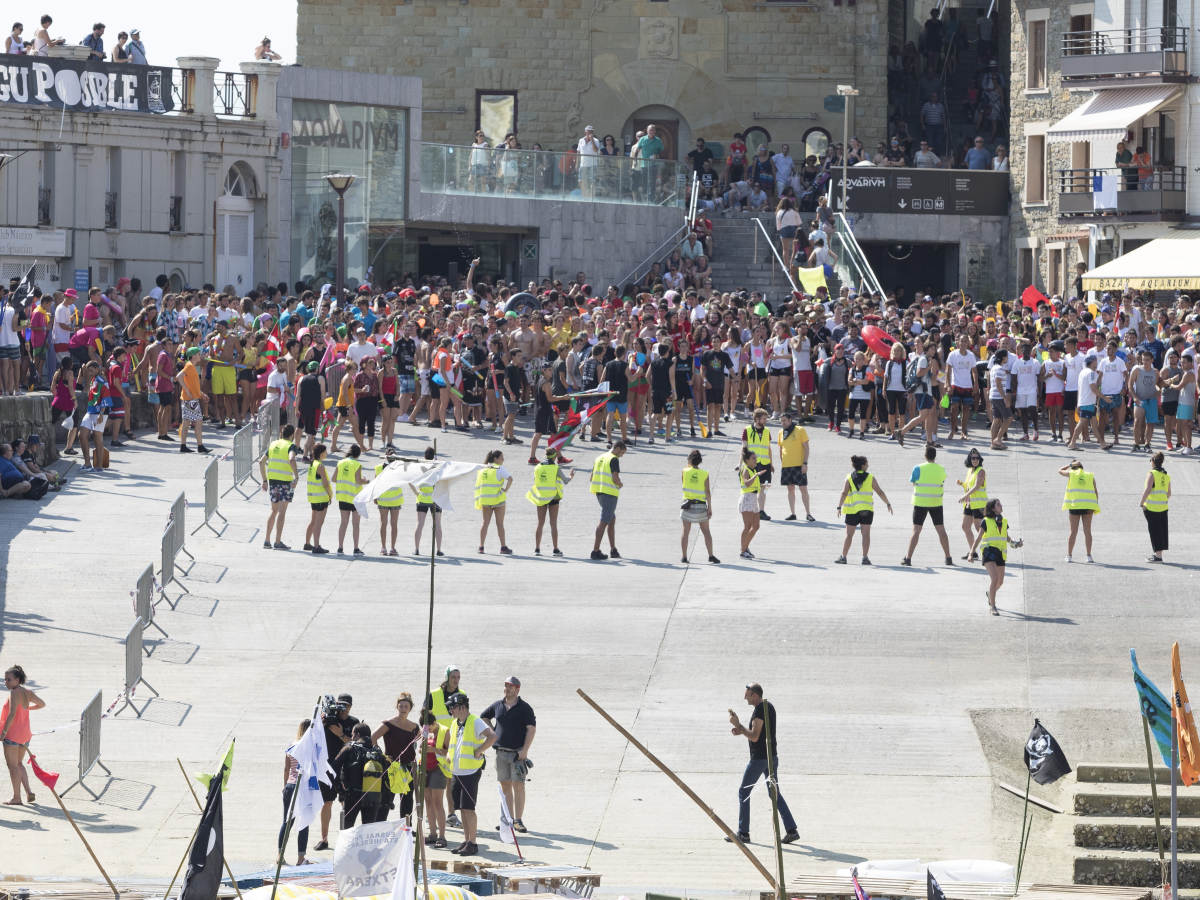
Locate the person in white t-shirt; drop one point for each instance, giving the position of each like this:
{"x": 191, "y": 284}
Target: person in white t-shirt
{"x": 361, "y": 349}
{"x": 1028, "y": 374}
{"x": 960, "y": 385}
{"x": 998, "y": 382}
{"x": 589, "y": 155}
{"x": 1087, "y": 390}
{"x": 1054, "y": 376}
{"x": 64, "y": 323}
{"x": 1074, "y": 362}
{"x": 1111, "y": 403}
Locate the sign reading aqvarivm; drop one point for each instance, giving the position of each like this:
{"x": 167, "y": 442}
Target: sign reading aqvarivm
{"x": 85, "y": 86}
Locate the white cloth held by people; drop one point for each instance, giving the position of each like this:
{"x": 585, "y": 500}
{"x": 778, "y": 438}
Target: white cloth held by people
{"x": 312, "y": 760}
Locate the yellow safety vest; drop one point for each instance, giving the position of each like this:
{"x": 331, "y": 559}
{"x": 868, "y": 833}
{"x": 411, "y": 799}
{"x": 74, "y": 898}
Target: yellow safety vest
{"x": 425, "y": 494}
{"x": 1081, "y": 491}
{"x": 464, "y": 740}
{"x": 392, "y": 498}
{"x": 694, "y": 481}
{"x": 1156, "y": 500}
{"x": 976, "y": 493}
{"x": 754, "y": 486}
{"x": 437, "y": 705}
{"x": 602, "y": 480}
{"x": 995, "y": 537}
{"x": 931, "y": 479}
{"x": 545, "y": 486}
{"x": 443, "y": 741}
{"x": 346, "y": 480}
{"x": 859, "y": 499}
{"x": 316, "y": 487}
{"x": 760, "y": 443}
{"x": 278, "y": 467}
{"x": 489, "y": 489}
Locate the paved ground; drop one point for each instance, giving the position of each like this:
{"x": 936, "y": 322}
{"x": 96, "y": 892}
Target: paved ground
{"x": 902, "y": 703}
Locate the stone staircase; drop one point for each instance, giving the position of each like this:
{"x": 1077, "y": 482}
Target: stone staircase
{"x": 736, "y": 264}
{"x": 1114, "y": 828}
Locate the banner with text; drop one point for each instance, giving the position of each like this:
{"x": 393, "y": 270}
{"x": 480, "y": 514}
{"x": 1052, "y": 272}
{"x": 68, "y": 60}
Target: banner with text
{"x": 908, "y": 192}
{"x": 85, "y": 86}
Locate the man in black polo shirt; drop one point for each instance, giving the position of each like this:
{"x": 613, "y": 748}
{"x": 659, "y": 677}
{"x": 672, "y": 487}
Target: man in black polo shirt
{"x": 514, "y": 723}
{"x": 759, "y": 733}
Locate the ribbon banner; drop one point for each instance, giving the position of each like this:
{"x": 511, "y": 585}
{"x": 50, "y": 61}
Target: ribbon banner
{"x": 85, "y": 86}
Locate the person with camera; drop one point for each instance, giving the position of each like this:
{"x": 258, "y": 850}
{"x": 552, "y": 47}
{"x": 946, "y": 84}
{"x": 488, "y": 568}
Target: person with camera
{"x": 515, "y": 726}
{"x": 470, "y": 739}
{"x": 339, "y": 726}
{"x": 360, "y": 766}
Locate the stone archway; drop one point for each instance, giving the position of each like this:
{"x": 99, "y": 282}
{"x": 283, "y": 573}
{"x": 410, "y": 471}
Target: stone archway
{"x": 672, "y": 128}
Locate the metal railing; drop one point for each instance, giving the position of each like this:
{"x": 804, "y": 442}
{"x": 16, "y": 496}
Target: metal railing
{"x": 175, "y": 214}
{"x": 242, "y": 456}
{"x": 212, "y": 496}
{"x": 852, "y": 266}
{"x": 771, "y": 243}
{"x": 539, "y": 174}
{"x": 658, "y": 254}
{"x": 231, "y": 94}
{"x": 45, "y": 206}
{"x": 174, "y": 535}
{"x": 133, "y": 669}
{"x": 693, "y": 201}
{"x": 1152, "y": 178}
{"x": 89, "y": 743}
{"x": 1157, "y": 191}
{"x": 111, "y": 208}
{"x": 145, "y": 601}
{"x": 1123, "y": 40}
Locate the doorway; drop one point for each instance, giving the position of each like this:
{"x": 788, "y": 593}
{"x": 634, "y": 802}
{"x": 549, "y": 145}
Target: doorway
{"x": 668, "y": 133}
{"x": 672, "y": 128}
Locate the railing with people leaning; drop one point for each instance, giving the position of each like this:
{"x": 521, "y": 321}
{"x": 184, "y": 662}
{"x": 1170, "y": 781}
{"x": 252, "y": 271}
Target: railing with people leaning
{"x": 1159, "y": 192}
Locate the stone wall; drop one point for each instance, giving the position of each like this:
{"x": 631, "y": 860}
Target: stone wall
{"x": 721, "y": 65}
{"x": 25, "y": 415}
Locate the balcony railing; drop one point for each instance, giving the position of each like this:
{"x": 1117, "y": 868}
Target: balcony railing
{"x": 1124, "y": 53}
{"x": 45, "y": 207}
{"x": 1158, "y": 194}
{"x": 231, "y": 94}
{"x": 176, "y": 214}
{"x": 111, "y": 208}
{"x": 545, "y": 175}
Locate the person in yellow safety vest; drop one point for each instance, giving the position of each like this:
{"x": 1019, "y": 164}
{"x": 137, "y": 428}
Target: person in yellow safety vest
{"x": 389, "y": 503}
{"x": 858, "y": 503}
{"x": 751, "y": 485}
{"x": 320, "y": 492}
{"x": 996, "y": 541}
{"x": 757, "y": 437}
{"x": 437, "y": 776}
{"x": 697, "y": 505}
{"x": 470, "y": 739}
{"x": 1156, "y": 496}
{"x": 348, "y": 481}
{"x": 546, "y": 494}
{"x": 278, "y": 469}
{"x": 606, "y": 485}
{"x": 1081, "y": 501}
{"x": 973, "y": 501}
{"x": 435, "y": 703}
{"x": 929, "y": 480}
{"x": 425, "y": 505}
{"x": 491, "y": 492}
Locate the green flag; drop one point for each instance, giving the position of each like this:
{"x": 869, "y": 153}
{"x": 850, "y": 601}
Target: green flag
{"x": 762, "y": 310}
{"x": 226, "y": 766}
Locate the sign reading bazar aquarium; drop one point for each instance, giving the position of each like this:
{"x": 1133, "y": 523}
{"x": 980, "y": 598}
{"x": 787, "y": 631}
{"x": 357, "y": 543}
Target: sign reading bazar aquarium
{"x": 84, "y": 86}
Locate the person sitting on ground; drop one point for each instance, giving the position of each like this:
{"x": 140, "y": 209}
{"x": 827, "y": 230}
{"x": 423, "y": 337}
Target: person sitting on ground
{"x": 12, "y": 482}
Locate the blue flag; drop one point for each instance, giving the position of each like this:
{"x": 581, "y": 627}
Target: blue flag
{"x": 1155, "y": 708}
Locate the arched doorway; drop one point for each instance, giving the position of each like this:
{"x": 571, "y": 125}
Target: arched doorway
{"x": 672, "y": 128}
{"x": 235, "y": 230}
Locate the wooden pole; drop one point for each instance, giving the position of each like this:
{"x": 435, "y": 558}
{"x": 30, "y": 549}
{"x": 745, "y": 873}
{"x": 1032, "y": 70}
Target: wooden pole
{"x": 421, "y": 857}
{"x": 1174, "y": 805}
{"x": 1162, "y": 859}
{"x": 773, "y": 793}
{"x": 186, "y": 852}
{"x": 314, "y": 722}
{"x": 763, "y": 870}
{"x": 91, "y": 852}
{"x": 1023, "y": 839}
{"x": 200, "y": 807}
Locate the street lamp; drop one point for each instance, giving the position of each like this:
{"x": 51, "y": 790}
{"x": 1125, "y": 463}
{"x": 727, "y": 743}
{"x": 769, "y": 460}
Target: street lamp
{"x": 845, "y": 91}
{"x": 340, "y": 184}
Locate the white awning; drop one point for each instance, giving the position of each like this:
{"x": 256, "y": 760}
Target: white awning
{"x": 1108, "y": 115}
{"x": 1164, "y": 264}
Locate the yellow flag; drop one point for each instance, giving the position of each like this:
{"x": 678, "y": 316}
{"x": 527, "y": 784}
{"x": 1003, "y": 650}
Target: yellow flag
{"x": 226, "y": 767}
{"x": 1185, "y": 725}
{"x": 811, "y": 279}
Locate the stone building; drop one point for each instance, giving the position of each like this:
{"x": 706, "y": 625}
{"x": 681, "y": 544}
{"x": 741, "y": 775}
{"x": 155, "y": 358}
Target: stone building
{"x": 1087, "y": 77}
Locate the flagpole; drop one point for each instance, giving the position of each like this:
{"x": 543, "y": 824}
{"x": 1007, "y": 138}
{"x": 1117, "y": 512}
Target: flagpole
{"x": 314, "y": 722}
{"x": 1023, "y": 839}
{"x": 773, "y": 793}
{"x": 1174, "y": 806}
{"x": 1154, "y": 794}
{"x": 91, "y": 852}
{"x": 199, "y": 806}
{"x": 433, "y": 528}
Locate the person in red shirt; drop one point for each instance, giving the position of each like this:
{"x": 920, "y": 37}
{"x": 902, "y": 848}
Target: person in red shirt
{"x": 118, "y": 384}
{"x": 735, "y": 163}
{"x": 39, "y": 330}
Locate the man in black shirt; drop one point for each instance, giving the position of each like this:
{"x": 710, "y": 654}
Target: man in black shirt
{"x": 616, "y": 373}
{"x": 713, "y": 364}
{"x": 339, "y": 727}
{"x": 761, "y": 735}
{"x": 405, "y": 350}
{"x": 699, "y": 156}
{"x": 310, "y": 400}
{"x": 662, "y": 390}
{"x": 515, "y": 725}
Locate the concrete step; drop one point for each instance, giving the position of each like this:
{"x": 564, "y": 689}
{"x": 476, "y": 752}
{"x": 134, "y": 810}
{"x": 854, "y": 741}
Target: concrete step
{"x": 1133, "y": 869}
{"x": 1120, "y": 800}
{"x": 1120, "y": 773}
{"x": 1132, "y": 834}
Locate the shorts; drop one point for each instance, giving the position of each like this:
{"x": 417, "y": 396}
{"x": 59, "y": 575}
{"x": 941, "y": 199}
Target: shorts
{"x": 999, "y": 408}
{"x": 924, "y": 401}
{"x": 935, "y": 514}
{"x": 1186, "y": 413}
{"x": 787, "y": 231}
{"x": 429, "y": 507}
{"x": 608, "y": 507}
{"x": 511, "y": 407}
{"x": 308, "y": 421}
{"x": 1086, "y": 412}
{"x": 543, "y": 421}
{"x": 10, "y": 352}
{"x": 748, "y": 502}
{"x": 757, "y": 374}
{"x": 897, "y": 402}
{"x": 695, "y": 511}
{"x": 780, "y": 372}
{"x": 617, "y": 407}
{"x": 1170, "y": 407}
{"x": 94, "y": 422}
{"x": 328, "y": 791}
{"x": 436, "y": 780}
{"x": 805, "y": 382}
{"x": 969, "y": 513}
{"x": 858, "y": 407}
{"x": 1026, "y": 401}
{"x": 962, "y": 395}
{"x": 319, "y": 507}
{"x": 1080, "y": 512}
{"x": 1150, "y": 408}
{"x": 224, "y": 379}
{"x": 506, "y": 766}
{"x": 793, "y": 475}
{"x": 118, "y": 408}
{"x": 343, "y": 412}
{"x": 190, "y": 411}
{"x": 658, "y": 404}
{"x": 406, "y": 383}
{"x": 281, "y": 491}
{"x": 1070, "y": 400}
{"x": 246, "y": 375}
{"x": 1110, "y": 405}
{"x": 861, "y": 518}
{"x": 423, "y": 376}
{"x": 166, "y": 398}
{"x": 1054, "y": 400}
{"x": 764, "y": 471}
{"x": 992, "y": 555}
{"x": 466, "y": 790}
{"x": 714, "y": 396}
{"x": 349, "y": 507}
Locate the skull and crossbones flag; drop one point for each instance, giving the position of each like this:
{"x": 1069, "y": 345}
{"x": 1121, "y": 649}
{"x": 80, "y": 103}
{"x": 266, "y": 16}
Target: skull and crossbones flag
{"x": 1045, "y": 759}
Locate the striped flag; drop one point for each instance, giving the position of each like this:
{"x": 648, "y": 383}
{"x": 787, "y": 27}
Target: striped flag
{"x": 859, "y": 893}
{"x": 274, "y": 343}
{"x": 572, "y": 425}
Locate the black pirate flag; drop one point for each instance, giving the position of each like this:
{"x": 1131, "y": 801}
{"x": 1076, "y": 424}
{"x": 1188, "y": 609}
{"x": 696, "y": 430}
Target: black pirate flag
{"x": 1045, "y": 759}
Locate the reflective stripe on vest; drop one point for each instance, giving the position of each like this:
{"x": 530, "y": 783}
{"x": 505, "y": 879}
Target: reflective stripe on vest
{"x": 464, "y": 740}
{"x": 545, "y": 485}
{"x": 278, "y": 467}
{"x": 443, "y": 741}
{"x": 1081, "y": 491}
{"x": 693, "y": 484}
{"x": 1156, "y": 500}
{"x": 345, "y": 482}
{"x": 425, "y": 493}
{"x": 859, "y": 499}
{"x": 489, "y": 489}
{"x": 602, "y": 480}
{"x": 316, "y": 487}
{"x": 927, "y": 491}
{"x": 994, "y": 537}
{"x": 755, "y": 484}
{"x": 437, "y": 706}
{"x": 976, "y": 493}
{"x": 391, "y": 498}
{"x": 760, "y": 443}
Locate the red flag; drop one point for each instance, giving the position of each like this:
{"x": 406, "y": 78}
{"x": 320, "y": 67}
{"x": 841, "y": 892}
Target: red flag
{"x": 572, "y": 425}
{"x": 49, "y": 779}
{"x": 1031, "y": 297}
{"x": 274, "y": 343}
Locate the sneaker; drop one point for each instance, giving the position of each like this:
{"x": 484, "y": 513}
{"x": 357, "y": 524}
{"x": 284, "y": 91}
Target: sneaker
{"x": 841, "y": 561}
{"x": 518, "y": 825}
{"x": 714, "y": 560}
{"x": 1067, "y": 559}
{"x": 87, "y": 469}
{"x": 460, "y": 847}
{"x": 200, "y": 448}
{"x": 74, "y": 452}
{"x": 763, "y": 517}
{"x": 308, "y": 547}
{"x": 810, "y": 518}
{"x": 1089, "y": 558}
{"x": 468, "y": 849}
{"x": 746, "y": 554}
{"x": 430, "y": 840}
{"x": 452, "y": 821}
{"x": 358, "y": 552}
{"x": 598, "y": 555}
{"x": 791, "y": 518}
{"x": 791, "y": 837}
{"x": 341, "y": 552}
{"x": 165, "y": 437}
{"x": 321, "y": 845}
{"x": 557, "y": 552}
{"x": 683, "y": 559}
{"x": 742, "y": 836}
{"x": 1154, "y": 559}
{"x": 907, "y": 561}
{"x": 267, "y": 545}
{"x": 866, "y": 560}
{"x": 949, "y": 561}
{"x": 318, "y": 550}
{"x": 506, "y": 551}
{"x": 613, "y": 554}
{"x": 280, "y": 545}
{"x": 537, "y": 551}
{"x": 184, "y": 448}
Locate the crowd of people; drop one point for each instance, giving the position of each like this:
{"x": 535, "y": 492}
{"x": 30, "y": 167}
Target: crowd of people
{"x": 128, "y": 48}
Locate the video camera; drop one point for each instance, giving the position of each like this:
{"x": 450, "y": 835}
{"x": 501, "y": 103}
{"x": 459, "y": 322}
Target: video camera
{"x": 331, "y": 706}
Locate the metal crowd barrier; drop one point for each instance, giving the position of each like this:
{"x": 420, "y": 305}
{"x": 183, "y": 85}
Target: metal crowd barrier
{"x": 172, "y": 544}
{"x": 268, "y": 426}
{"x": 144, "y": 601}
{"x": 178, "y": 512}
{"x": 89, "y": 743}
{"x": 133, "y": 669}
{"x": 211, "y": 497}
{"x": 243, "y": 457}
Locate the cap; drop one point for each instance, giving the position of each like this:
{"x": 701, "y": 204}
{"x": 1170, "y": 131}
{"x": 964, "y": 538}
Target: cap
{"x": 135, "y": 31}
{"x": 71, "y": 292}
{"x": 513, "y": 680}
{"x": 313, "y": 366}
{"x": 458, "y": 698}
{"x": 451, "y": 668}
{"x": 589, "y": 128}
{"x": 360, "y": 330}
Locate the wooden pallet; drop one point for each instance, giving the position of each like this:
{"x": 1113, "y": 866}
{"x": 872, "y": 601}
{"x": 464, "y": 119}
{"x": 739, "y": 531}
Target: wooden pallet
{"x": 511, "y": 879}
{"x": 837, "y": 887}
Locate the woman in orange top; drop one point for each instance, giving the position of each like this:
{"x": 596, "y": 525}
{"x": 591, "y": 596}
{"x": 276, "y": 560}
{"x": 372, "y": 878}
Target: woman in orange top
{"x": 346, "y": 411}
{"x": 15, "y": 731}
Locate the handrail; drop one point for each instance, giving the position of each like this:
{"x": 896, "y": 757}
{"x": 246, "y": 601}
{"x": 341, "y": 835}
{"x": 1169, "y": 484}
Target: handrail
{"x": 855, "y": 253}
{"x": 1124, "y": 40}
{"x": 779, "y": 259}
{"x": 694, "y": 201}
{"x": 655, "y": 255}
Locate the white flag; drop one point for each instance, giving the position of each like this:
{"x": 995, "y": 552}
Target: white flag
{"x": 405, "y": 885}
{"x": 369, "y": 858}
{"x": 440, "y": 475}
{"x": 312, "y": 758}
{"x": 507, "y": 833}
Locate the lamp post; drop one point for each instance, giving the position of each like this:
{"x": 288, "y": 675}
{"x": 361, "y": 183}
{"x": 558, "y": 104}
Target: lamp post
{"x": 340, "y": 184}
{"x": 845, "y": 91}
